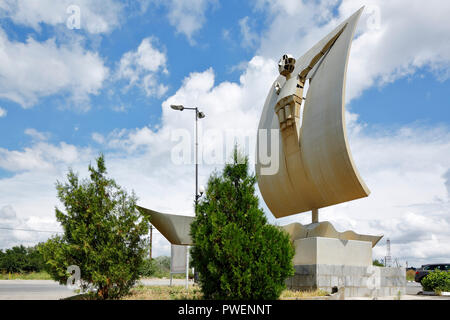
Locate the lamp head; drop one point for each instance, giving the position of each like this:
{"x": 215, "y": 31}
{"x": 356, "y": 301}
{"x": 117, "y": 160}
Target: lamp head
{"x": 201, "y": 115}
{"x": 177, "y": 107}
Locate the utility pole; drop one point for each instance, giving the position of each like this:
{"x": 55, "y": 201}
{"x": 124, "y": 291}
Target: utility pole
{"x": 388, "y": 258}
{"x": 198, "y": 115}
{"x": 151, "y": 241}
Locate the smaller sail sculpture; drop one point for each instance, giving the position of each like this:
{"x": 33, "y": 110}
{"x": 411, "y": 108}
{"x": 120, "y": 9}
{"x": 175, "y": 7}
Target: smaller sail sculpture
{"x": 175, "y": 228}
{"x": 315, "y": 166}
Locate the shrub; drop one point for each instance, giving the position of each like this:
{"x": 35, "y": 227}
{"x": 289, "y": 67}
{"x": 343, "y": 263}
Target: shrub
{"x": 410, "y": 275}
{"x": 148, "y": 268}
{"x": 437, "y": 281}
{"x": 237, "y": 253}
{"x": 377, "y": 263}
{"x": 102, "y": 235}
{"x": 20, "y": 259}
{"x": 158, "y": 267}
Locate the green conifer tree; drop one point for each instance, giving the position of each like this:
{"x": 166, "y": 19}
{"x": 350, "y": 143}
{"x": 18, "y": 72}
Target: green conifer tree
{"x": 102, "y": 235}
{"x": 237, "y": 253}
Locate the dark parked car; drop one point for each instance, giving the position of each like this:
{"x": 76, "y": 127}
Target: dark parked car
{"x": 425, "y": 269}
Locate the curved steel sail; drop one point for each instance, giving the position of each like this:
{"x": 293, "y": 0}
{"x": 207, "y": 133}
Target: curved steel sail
{"x": 315, "y": 166}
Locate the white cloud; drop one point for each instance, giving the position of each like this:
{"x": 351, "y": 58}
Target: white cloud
{"x": 187, "y": 16}
{"x": 16, "y": 231}
{"x": 36, "y": 135}
{"x": 42, "y": 157}
{"x": 392, "y": 41}
{"x": 249, "y": 37}
{"x": 3, "y": 112}
{"x": 100, "y": 16}
{"x": 141, "y": 67}
{"x": 33, "y": 70}
{"x": 447, "y": 181}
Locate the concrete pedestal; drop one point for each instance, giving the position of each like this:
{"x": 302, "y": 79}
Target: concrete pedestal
{"x": 346, "y": 265}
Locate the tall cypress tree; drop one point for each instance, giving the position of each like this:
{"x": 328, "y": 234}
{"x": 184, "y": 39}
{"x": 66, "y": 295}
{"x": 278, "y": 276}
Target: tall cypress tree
{"x": 237, "y": 253}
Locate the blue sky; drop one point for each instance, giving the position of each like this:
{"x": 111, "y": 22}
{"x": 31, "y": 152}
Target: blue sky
{"x": 68, "y": 94}
{"x": 211, "y": 49}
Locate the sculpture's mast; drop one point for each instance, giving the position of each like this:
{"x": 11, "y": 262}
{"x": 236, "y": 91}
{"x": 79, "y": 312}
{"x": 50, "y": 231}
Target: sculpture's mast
{"x": 315, "y": 215}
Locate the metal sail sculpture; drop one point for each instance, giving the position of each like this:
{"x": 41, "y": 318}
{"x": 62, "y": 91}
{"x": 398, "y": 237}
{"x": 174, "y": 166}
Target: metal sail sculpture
{"x": 316, "y": 169}
{"x": 175, "y": 228}
{"x": 315, "y": 166}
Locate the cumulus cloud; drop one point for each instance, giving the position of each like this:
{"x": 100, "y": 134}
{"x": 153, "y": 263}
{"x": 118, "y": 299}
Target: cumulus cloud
{"x": 100, "y": 16}
{"x": 392, "y": 42}
{"x": 3, "y": 112}
{"x": 249, "y": 37}
{"x": 36, "y": 135}
{"x": 187, "y": 16}
{"x": 33, "y": 70}
{"x": 16, "y": 231}
{"x": 42, "y": 156}
{"x": 447, "y": 181}
{"x": 141, "y": 67}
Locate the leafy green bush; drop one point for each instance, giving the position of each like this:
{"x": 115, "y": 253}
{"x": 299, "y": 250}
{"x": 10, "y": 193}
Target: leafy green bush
{"x": 102, "y": 235}
{"x": 237, "y": 253}
{"x": 20, "y": 259}
{"x": 437, "y": 280}
{"x": 158, "y": 267}
{"x": 377, "y": 263}
{"x": 148, "y": 268}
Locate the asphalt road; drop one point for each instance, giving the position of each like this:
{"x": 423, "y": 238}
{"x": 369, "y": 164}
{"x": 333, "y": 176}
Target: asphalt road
{"x": 50, "y": 290}
{"x": 33, "y": 290}
{"x": 413, "y": 288}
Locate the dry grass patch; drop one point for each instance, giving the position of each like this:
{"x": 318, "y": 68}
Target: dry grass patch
{"x": 164, "y": 293}
{"x": 142, "y": 292}
{"x": 410, "y": 275}
{"x": 290, "y": 294}
{"x": 26, "y": 276}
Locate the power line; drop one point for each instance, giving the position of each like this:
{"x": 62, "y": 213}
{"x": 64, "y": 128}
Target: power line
{"x": 47, "y": 231}
{"x": 30, "y": 230}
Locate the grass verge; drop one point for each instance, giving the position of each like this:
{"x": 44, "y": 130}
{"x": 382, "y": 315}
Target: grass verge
{"x": 194, "y": 293}
{"x": 164, "y": 293}
{"x": 26, "y": 276}
{"x": 289, "y": 294}
{"x": 142, "y": 292}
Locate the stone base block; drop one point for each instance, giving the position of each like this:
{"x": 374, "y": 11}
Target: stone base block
{"x": 354, "y": 281}
{"x": 346, "y": 265}
{"x": 331, "y": 251}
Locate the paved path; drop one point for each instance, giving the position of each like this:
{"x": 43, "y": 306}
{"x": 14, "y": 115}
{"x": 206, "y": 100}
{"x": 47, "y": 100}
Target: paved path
{"x": 164, "y": 282}
{"x": 33, "y": 290}
{"x": 413, "y": 288}
{"x": 51, "y": 290}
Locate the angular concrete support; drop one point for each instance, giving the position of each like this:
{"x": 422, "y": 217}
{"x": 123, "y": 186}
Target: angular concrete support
{"x": 323, "y": 263}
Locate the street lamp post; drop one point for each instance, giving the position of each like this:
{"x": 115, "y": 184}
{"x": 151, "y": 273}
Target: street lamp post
{"x": 198, "y": 115}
